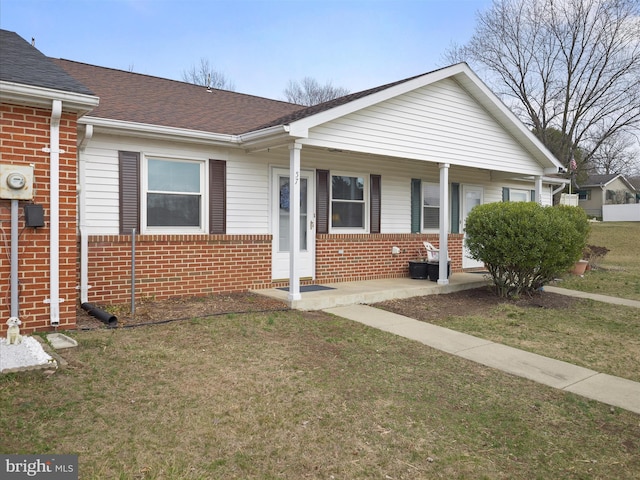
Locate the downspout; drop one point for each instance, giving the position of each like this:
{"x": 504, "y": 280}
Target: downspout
{"x": 558, "y": 190}
{"x": 84, "y": 235}
{"x": 54, "y": 217}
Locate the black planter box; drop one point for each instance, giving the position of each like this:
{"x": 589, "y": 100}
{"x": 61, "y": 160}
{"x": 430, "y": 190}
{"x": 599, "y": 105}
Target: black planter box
{"x": 433, "y": 270}
{"x": 418, "y": 270}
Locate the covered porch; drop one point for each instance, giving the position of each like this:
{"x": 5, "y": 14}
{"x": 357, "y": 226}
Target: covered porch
{"x": 319, "y": 297}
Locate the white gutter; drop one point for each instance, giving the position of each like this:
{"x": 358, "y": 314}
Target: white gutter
{"x": 146, "y": 130}
{"x": 32, "y": 95}
{"x": 54, "y": 217}
{"x": 84, "y": 236}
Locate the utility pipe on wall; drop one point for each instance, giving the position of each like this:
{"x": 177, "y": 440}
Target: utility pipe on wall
{"x": 82, "y": 200}
{"x": 54, "y": 217}
{"x": 14, "y": 258}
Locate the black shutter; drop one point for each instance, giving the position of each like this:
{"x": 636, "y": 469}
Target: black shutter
{"x": 533, "y": 195}
{"x": 505, "y": 194}
{"x": 129, "y": 194}
{"x": 455, "y": 208}
{"x": 322, "y": 201}
{"x": 416, "y": 195}
{"x": 376, "y": 203}
{"x": 217, "y": 196}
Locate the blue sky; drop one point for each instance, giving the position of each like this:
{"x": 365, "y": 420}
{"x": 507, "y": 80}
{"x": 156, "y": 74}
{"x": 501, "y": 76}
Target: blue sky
{"x": 258, "y": 44}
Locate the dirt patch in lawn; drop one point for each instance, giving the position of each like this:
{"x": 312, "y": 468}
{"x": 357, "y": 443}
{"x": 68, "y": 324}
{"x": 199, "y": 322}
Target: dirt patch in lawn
{"x": 478, "y": 301}
{"x": 156, "y": 311}
{"x": 468, "y": 302}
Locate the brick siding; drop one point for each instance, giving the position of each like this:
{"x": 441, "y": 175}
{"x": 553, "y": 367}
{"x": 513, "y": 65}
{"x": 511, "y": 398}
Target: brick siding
{"x": 366, "y": 257}
{"x": 172, "y": 266}
{"x": 24, "y": 133}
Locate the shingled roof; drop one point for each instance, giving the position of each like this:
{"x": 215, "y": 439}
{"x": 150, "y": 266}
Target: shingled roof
{"x": 599, "y": 180}
{"x": 336, "y": 102}
{"x": 23, "y": 64}
{"x": 145, "y": 99}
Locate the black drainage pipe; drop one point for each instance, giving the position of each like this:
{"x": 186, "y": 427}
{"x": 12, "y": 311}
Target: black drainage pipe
{"x": 101, "y": 315}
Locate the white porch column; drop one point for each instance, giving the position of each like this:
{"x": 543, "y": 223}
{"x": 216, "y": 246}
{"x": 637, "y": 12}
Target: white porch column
{"x": 294, "y": 221}
{"x": 538, "y": 180}
{"x": 444, "y": 223}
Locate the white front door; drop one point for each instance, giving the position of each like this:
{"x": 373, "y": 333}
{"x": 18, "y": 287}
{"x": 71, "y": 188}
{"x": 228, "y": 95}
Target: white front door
{"x": 280, "y": 224}
{"x": 471, "y": 196}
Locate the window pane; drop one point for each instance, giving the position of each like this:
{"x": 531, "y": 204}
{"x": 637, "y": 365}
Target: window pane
{"x": 347, "y": 214}
{"x": 519, "y": 195}
{"x": 431, "y": 194}
{"x": 431, "y": 206}
{"x": 431, "y": 218}
{"x": 283, "y": 234}
{"x": 170, "y": 176}
{"x": 167, "y": 210}
{"x": 347, "y": 188}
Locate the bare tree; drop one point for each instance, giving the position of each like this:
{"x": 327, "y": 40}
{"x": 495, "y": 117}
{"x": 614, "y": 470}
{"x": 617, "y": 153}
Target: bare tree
{"x": 309, "y": 92}
{"x": 617, "y": 155}
{"x": 205, "y": 75}
{"x": 568, "y": 65}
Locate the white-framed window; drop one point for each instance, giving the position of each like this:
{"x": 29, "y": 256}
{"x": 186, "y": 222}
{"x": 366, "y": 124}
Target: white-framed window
{"x": 430, "y": 206}
{"x": 516, "y": 195}
{"x": 173, "y": 196}
{"x": 349, "y": 201}
{"x": 584, "y": 194}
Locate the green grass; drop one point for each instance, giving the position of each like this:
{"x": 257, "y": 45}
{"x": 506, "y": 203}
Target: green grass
{"x": 619, "y": 274}
{"x": 292, "y": 395}
{"x": 594, "y": 335}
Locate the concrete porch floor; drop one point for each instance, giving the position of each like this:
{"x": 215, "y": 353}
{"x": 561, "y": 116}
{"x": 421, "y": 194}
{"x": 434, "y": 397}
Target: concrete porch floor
{"x": 371, "y": 291}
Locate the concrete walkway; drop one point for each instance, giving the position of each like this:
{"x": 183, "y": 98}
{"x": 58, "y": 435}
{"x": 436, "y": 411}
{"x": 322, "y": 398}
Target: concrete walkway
{"x": 588, "y": 383}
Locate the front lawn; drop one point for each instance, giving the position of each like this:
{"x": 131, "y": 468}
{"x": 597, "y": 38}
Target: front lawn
{"x": 293, "y": 395}
{"x": 619, "y": 272}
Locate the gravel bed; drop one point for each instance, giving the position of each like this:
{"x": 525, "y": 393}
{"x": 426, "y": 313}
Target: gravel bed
{"x": 24, "y": 356}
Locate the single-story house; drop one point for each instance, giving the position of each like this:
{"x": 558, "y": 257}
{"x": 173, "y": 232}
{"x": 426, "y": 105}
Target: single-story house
{"x": 610, "y": 189}
{"x": 216, "y": 191}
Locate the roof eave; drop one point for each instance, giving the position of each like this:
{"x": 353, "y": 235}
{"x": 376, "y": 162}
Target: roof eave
{"x": 267, "y": 138}
{"x": 21, "y": 94}
{"x": 144, "y": 130}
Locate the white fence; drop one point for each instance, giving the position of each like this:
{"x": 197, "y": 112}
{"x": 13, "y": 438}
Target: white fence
{"x": 621, "y": 213}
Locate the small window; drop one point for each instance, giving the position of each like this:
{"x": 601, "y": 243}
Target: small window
{"x": 516, "y": 195}
{"x": 584, "y": 195}
{"x": 174, "y": 195}
{"x": 430, "y": 206}
{"x": 348, "y": 202}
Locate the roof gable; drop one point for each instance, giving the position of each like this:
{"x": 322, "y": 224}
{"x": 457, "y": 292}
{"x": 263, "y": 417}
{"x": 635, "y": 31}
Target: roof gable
{"x": 461, "y": 74}
{"x": 601, "y": 181}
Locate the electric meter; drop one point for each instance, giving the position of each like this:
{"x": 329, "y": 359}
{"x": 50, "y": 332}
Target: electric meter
{"x": 16, "y": 182}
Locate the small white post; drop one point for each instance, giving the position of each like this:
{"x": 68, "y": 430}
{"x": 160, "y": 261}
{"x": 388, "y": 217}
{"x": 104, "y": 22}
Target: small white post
{"x": 443, "y": 279}
{"x": 294, "y": 221}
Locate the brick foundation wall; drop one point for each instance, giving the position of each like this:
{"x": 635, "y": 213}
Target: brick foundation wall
{"x": 24, "y": 132}
{"x": 171, "y": 266}
{"x": 347, "y": 258}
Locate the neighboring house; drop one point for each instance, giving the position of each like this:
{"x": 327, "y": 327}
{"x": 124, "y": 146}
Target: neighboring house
{"x": 203, "y": 177}
{"x": 599, "y": 190}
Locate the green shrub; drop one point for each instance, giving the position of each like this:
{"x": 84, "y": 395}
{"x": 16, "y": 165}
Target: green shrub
{"x": 524, "y": 245}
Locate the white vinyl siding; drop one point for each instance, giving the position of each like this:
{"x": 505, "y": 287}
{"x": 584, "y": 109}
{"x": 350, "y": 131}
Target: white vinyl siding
{"x": 437, "y": 123}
